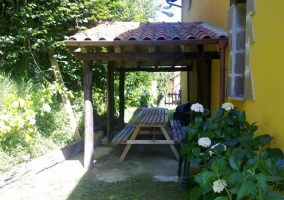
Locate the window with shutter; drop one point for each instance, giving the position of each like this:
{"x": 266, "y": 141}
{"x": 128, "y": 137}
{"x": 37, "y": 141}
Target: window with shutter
{"x": 241, "y": 35}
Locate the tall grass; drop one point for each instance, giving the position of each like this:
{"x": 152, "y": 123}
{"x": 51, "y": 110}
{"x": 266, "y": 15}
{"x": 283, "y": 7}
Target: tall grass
{"x": 6, "y": 85}
{"x": 21, "y": 143}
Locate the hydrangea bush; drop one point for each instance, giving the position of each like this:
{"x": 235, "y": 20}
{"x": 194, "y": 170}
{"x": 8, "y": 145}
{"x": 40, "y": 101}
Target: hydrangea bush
{"x": 235, "y": 164}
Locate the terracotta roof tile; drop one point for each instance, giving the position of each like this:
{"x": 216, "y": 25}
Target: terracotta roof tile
{"x": 124, "y": 31}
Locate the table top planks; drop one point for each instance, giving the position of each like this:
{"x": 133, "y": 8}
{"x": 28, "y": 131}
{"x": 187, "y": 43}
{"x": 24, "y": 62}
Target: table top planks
{"x": 153, "y": 111}
{"x": 152, "y": 117}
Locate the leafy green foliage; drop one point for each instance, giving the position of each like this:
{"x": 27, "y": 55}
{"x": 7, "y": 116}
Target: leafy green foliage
{"x": 30, "y": 30}
{"x": 138, "y": 89}
{"x": 236, "y": 165}
{"x": 32, "y": 121}
{"x": 16, "y": 114}
{"x": 162, "y": 86}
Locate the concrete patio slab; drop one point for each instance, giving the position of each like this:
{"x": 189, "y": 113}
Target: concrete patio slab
{"x": 157, "y": 161}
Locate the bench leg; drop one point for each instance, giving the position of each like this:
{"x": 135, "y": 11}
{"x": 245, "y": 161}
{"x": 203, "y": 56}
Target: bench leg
{"x": 186, "y": 170}
{"x": 171, "y": 145}
{"x": 180, "y": 161}
{"x": 126, "y": 149}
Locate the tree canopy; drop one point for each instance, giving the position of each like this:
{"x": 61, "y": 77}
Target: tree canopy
{"x": 31, "y": 28}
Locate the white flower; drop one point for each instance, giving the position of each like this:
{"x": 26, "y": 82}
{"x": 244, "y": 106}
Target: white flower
{"x": 32, "y": 121}
{"x": 18, "y": 122}
{"x": 22, "y": 102}
{"x": 211, "y": 153}
{"x": 46, "y": 108}
{"x": 228, "y": 106}
{"x": 204, "y": 141}
{"x": 3, "y": 127}
{"x": 197, "y": 107}
{"x": 219, "y": 185}
{"x": 15, "y": 104}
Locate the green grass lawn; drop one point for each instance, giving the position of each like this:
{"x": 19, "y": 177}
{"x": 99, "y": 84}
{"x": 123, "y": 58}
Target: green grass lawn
{"x": 170, "y": 115}
{"x": 138, "y": 188}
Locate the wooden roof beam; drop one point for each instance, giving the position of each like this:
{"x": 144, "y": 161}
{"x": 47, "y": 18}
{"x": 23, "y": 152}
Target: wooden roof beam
{"x": 185, "y": 48}
{"x": 156, "y": 64}
{"x": 118, "y": 49}
{"x": 174, "y": 62}
{"x": 160, "y": 69}
{"x": 74, "y": 43}
{"x": 147, "y": 56}
{"x": 86, "y": 49}
{"x": 152, "y": 49}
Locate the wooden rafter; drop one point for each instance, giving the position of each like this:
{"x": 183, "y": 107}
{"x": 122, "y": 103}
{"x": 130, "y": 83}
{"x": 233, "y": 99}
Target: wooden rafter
{"x": 146, "y": 56}
{"x": 160, "y": 69}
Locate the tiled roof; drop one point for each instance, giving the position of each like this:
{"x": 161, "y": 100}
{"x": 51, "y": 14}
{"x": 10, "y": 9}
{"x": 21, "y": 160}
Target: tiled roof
{"x": 153, "y": 31}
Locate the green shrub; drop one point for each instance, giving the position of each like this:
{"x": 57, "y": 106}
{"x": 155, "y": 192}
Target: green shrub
{"x": 33, "y": 120}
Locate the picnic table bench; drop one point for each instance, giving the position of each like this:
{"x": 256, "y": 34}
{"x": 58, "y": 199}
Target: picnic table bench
{"x": 124, "y": 134}
{"x": 151, "y": 121}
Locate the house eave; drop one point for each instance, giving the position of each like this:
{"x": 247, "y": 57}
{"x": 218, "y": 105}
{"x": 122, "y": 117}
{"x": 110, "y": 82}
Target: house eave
{"x": 87, "y": 43}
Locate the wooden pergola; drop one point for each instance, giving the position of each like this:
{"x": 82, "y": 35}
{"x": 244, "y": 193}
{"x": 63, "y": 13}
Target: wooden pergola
{"x": 133, "y": 46}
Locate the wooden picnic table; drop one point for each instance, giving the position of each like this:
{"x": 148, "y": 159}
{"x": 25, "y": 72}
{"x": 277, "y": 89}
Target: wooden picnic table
{"x": 153, "y": 120}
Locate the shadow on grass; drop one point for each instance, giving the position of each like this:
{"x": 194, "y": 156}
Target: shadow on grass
{"x": 140, "y": 187}
{"x": 134, "y": 178}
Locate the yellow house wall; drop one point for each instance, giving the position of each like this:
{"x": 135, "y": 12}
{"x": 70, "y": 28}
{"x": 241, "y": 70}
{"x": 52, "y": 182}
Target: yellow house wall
{"x": 267, "y": 66}
{"x": 266, "y": 61}
{"x": 183, "y": 86}
{"x": 213, "y": 12}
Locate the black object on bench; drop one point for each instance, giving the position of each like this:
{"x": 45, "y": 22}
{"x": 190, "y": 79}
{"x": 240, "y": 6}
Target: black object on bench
{"x": 181, "y": 116}
{"x": 180, "y": 119}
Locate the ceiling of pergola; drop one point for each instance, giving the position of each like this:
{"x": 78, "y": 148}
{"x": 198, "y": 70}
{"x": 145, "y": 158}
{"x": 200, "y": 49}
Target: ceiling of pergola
{"x": 134, "y": 45}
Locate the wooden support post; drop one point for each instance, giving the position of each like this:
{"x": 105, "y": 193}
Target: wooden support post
{"x": 187, "y": 86}
{"x": 121, "y": 99}
{"x": 209, "y": 68}
{"x": 89, "y": 123}
{"x": 110, "y": 113}
{"x": 222, "y": 46}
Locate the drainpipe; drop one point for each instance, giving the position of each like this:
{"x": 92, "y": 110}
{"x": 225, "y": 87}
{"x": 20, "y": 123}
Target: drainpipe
{"x": 222, "y": 46}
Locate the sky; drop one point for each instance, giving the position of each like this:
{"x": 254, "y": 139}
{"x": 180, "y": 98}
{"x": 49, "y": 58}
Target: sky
{"x": 175, "y": 10}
